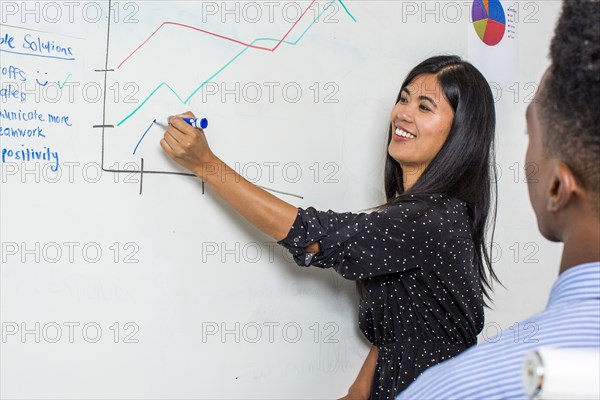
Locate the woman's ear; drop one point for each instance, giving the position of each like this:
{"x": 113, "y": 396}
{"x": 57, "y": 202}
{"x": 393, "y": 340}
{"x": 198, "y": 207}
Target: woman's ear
{"x": 563, "y": 188}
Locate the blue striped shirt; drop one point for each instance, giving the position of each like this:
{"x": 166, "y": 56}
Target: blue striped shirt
{"x": 493, "y": 370}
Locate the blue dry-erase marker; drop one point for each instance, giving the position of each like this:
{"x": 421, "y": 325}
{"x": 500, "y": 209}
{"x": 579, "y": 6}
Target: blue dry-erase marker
{"x": 195, "y": 122}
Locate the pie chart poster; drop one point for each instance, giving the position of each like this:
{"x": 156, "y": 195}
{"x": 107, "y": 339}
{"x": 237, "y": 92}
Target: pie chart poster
{"x": 493, "y": 40}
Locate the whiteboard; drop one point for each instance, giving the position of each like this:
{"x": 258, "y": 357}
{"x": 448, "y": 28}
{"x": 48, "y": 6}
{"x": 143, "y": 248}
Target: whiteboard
{"x": 123, "y": 277}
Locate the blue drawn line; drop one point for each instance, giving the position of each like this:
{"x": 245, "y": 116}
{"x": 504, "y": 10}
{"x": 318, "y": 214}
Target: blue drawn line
{"x": 185, "y": 101}
{"x": 37, "y": 55}
{"x": 142, "y": 138}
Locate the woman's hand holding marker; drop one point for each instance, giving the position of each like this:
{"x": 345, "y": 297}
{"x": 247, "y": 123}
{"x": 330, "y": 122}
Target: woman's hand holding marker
{"x": 186, "y": 145}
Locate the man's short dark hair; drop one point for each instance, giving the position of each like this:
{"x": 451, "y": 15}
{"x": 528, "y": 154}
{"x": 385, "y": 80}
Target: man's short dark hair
{"x": 570, "y": 101}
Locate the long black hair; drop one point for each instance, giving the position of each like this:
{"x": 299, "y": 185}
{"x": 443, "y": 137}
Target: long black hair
{"x": 464, "y": 168}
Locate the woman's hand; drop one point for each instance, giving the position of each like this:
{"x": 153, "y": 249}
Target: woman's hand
{"x": 186, "y": 145}
{"x": 355, "y": 395}
{"x": 361, "y": 388}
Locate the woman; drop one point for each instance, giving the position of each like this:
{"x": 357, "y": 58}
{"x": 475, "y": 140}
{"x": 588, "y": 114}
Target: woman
{"x": 419, "y": 260}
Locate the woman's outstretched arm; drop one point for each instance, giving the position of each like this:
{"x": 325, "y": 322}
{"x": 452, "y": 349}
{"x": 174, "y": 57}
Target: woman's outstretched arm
{"x": 188, "y": 147}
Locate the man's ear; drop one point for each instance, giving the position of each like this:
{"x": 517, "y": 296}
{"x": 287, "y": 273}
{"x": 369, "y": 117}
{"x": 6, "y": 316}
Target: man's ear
{"x": 563, "y": 188}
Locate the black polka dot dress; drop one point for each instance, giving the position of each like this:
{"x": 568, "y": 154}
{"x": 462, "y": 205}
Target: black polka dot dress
{"x": 422, "y": 300}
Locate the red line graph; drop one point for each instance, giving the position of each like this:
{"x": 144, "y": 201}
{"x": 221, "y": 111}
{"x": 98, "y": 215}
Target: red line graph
{"x": 272, "y": 49}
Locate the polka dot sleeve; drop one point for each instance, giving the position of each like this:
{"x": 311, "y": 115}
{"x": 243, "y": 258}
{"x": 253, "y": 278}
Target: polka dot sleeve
{"x": 357, "y": 246}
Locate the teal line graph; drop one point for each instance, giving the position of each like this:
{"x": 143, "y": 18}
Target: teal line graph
{"x": 186, "y": 100}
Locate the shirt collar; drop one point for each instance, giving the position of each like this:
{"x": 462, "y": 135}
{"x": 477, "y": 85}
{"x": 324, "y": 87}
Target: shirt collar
{"x": 581, "y": 282}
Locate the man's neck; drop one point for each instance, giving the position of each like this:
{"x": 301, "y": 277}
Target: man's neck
{"x": 581, "y": 244}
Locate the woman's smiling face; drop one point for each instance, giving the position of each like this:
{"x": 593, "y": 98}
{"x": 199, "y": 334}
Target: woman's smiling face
{"x": 421, "y": 122}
